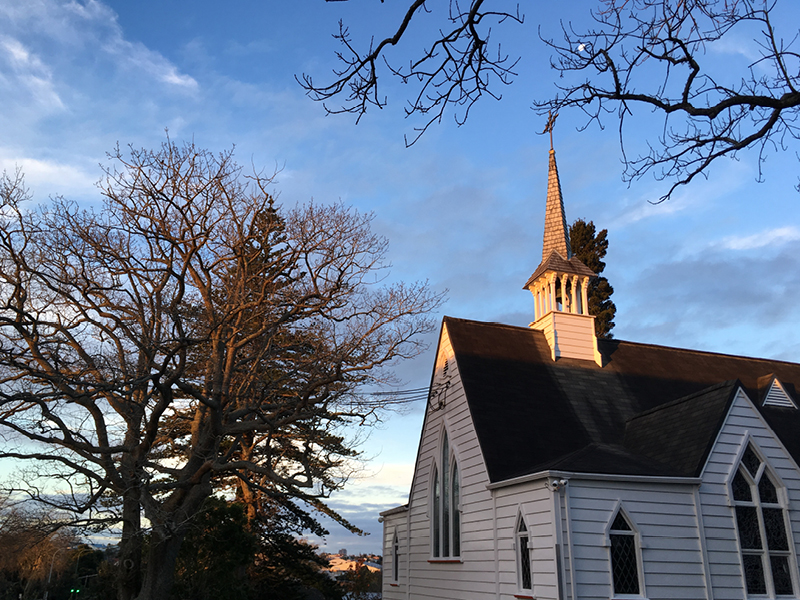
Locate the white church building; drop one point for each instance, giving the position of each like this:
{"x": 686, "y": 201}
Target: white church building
{"x": 555, "y": 465}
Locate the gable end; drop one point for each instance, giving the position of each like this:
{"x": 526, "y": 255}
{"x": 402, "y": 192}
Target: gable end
{"x": 778, "y": 396}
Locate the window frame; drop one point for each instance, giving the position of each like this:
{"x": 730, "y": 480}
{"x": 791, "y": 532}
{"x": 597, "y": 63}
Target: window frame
{"x": 518, "y": 550}
{"x": 635, "y": 534}
{"x": 445, "y": 507}
{"x": 764, "y": 552}
{"x": 395, "y": 558}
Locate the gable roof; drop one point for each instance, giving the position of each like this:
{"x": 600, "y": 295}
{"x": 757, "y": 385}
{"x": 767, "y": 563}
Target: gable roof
{"x": 650, "y": 410}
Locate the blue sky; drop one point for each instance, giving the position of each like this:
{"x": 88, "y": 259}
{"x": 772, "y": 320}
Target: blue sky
{"x": 715, "y": 268}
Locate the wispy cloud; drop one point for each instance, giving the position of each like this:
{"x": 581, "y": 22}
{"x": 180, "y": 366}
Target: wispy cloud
{"x": 736, "y": 45}
{"x": 137, "y": 57}
{"x": 777, "y": 236}
{"x": 26, "y": 73}
{"x": 65, "y": 28}
{"x": 45, "y": 177}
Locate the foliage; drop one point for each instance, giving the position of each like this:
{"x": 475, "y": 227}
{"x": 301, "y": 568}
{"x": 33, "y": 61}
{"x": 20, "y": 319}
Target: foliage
{"x": 215, "y": 554}
{"x": 655, "y": 54}
{"x": 35, "y": 548}
{"x": 222, "y": 557}
{"x": 590, "y": 246}
{"x": 288, "y": 568}
{"x": 187, "y": 335}
{"x": 361, "y": 583}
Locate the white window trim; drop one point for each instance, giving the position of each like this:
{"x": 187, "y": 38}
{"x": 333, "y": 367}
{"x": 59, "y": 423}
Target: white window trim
{"x": 638, "y": 545}
{"x": 436, "y": 473}
{"x": 395, "y": 558}
{"x": 783, "y": 502}
{"x": 522, "y": 591}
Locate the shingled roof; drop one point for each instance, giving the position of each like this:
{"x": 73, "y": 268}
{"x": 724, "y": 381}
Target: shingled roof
{"x": 556, "y": 234}
{"x": 555, "y": 262}
{"x": 649, "y": 410}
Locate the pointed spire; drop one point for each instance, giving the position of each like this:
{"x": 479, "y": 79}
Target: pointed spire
{"x": 556, "y": 235}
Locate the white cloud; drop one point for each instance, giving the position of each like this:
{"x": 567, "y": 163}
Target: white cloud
{"x": 777, "y": 236}
{"x": 736, "y": 45}
{"x": 138, "y": 57}
{"x": 45, "y": 177}
{"x": 643, "y": 209}
{"x": 26, "y": 71}
{"x": 68, "y": 27}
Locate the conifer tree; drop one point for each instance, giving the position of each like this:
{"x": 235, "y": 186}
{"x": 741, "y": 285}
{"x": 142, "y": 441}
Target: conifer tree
{"x": 590, "y": 247}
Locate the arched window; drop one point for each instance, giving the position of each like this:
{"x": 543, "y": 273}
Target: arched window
{"x": 625, "y": 561}
{"x": 523, "y": 556}
{"x": 395, "y": 558}
{"x": 437, "y": 518}
{"x": 761, "y": 523}
{"x": 446, "y": 505}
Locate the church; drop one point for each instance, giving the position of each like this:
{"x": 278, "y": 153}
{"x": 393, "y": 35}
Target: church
{"x": 555, "y": 465}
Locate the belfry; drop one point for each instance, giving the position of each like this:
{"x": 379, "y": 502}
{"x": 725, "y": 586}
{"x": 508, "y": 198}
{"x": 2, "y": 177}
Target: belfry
{"x": 560, "y": 283}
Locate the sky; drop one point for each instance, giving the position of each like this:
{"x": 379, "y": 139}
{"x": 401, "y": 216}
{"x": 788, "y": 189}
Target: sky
{"x": 714, "y": 268}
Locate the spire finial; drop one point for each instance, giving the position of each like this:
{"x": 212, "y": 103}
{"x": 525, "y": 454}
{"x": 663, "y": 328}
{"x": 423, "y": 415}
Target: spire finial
{"x": 551, "y": 123}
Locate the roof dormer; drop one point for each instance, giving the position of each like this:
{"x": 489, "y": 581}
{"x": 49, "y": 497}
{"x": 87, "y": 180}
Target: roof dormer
{"x": 776, "y": 394}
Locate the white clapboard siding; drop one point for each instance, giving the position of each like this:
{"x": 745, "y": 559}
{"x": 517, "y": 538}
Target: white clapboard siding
{"x": 475, "y": 576}
{"x": 534, "y": 501}
{"x": 395, "y": 590}
{"x": 664, "y": 515}
{"x": 717, "y": 510}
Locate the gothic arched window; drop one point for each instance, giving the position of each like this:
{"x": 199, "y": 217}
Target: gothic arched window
{"x": 523, "y": 556}
{"x": 395, "y": 558}
{"x": 446, "y": 506}
{"x": 625, "y": 558}
{"x": 761, "y": 524}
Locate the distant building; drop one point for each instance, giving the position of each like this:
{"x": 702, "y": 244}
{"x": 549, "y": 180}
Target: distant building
{"x": 341, "y": 564}
{"x": 553, "y": 465}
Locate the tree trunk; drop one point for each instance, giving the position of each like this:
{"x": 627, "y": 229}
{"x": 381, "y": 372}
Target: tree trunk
{"x": 160, "y": 573}
{"x": 165, "y": 543}
{"x": 130, "y": 549}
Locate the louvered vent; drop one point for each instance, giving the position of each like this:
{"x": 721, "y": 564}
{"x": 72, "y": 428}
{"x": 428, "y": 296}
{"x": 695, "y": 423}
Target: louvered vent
{"x": 777, "y": 396}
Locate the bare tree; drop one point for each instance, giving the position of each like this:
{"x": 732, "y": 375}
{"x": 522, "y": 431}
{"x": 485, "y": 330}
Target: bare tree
{"x": 145, "y": 346}
{"x": 455, "y": 69}
{"x": 650, "y": 53}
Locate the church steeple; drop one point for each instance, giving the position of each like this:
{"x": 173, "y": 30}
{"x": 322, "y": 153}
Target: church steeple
{"x": 556, "y": 234}
{"x": 560, "y": 283}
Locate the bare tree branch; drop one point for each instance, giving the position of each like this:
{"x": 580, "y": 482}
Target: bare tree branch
{"x": 456, "y": 69}
{"x": 646, "y": 54}
{"x": 706, "y": 116}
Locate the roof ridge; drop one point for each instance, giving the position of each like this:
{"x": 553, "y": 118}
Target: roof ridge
{"x": 486, "y": 323}
{"x": 695, "y": 351}
{"x": 687, "y": 398}
{"x": 617, "y": 341}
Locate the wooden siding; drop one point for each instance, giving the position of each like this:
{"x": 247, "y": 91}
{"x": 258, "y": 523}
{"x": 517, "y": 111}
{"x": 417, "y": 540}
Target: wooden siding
{"x": 569, "y": 335}
{"x": 395, "y": 523}
{"x": 534, "y": 502}
{"x": 717, "y": 510}
{"x": 665, "y": 517}
{"x": 688, "y": 534}
{"x": 475, "y": 576}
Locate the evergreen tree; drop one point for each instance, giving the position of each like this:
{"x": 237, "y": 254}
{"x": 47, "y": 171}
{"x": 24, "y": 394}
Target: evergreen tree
{"x": 590, "y": 247}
